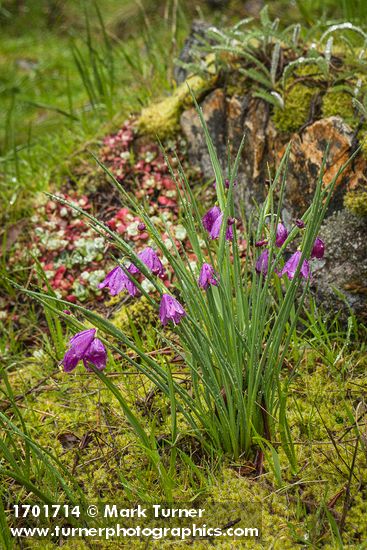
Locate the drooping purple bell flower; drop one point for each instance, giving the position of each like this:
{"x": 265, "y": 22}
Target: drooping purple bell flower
{"x": 318, "y": 249}
{"x": 170, "y": 310}
{"x": 216, "y": 228}
{"x": 212, "y": 221}
{"x": 210, "y": 217}
{"x": 84, "y": 346}
{"x": 291, "y": 265}
{"x": 262, "y": 263}
{"x": 229, "y": 232}
{"x": 133, "y": 270}
{"x": 117, "y": 281}
{"x": 149, "y": 257}
{"x": 151, "y": 260}
{"x": 207, "y": 276}
{"x": 281, "y": 235}
{"x": 259, "y": 244}
{"x": 96, "y": 355}
{"x": 300, "y": 223}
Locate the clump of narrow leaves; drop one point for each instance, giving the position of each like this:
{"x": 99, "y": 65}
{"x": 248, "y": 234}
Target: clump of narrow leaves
{"x": 232, "y": 317}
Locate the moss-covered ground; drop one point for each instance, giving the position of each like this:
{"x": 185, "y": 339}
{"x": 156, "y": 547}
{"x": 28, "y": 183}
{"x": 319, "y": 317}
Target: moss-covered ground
{"x": 76, "y": 419}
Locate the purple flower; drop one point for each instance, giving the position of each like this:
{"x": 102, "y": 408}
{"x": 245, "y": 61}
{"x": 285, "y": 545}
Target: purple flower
{"x": 170, "y": 310}
{"x": 300, "y": 223}
{"x": 229, "y": 232}
{"x": 85, "y": 347}
{"x": 207, "y": 276}
{"x": 262, "y": 262}
{"x": 281, "y": 235}
{"x": 212, "y": 221}
{"x": 96, "y": 355}
{"x": 151, "y": 260}
{"x": 210, "y": 217}
{"x": 132, "y": 269}
{"x": 142, "y": 226}
{"x": 259, "y": 244}
{"x": 290, "y": 266}
{"x": 116, "y": 281}
{"x": 318, "y": 249}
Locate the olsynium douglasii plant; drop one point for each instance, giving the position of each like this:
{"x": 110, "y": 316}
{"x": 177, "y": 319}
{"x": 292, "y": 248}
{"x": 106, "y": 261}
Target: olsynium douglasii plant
{"x": 234, "y": 318}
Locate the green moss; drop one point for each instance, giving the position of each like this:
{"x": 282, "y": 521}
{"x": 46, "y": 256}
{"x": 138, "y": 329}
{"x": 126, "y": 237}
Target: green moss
{"x": 298, "y": 97}
{"x": 362, "y": 137}
{"x": 162, "y": 119}
{"x": 322, "y": 400}
{"x": 336, "y": 103}
{"x": 258, "y": 497}
{"x": 139, "y": 312}
{"x": 356, "y": 202}
{"x": 80, "y": 404}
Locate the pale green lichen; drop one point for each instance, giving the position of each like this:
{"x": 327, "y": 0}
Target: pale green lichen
{"x": 162, "y": 119}
{"x": 356, "y": 202}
